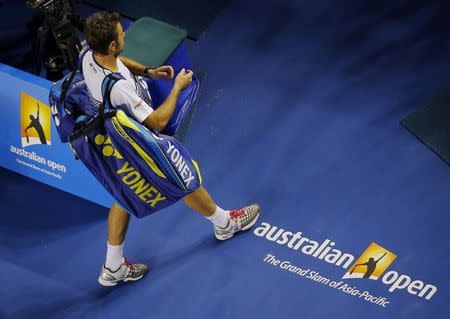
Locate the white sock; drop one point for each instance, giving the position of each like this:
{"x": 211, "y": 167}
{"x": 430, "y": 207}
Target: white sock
{"x": 114, "y": 256}
{"x": 220, "y": 217}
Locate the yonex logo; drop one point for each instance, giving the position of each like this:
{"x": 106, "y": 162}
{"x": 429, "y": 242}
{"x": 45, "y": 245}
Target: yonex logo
{"x": 129, "y": 175}
{"x": 137, "y": 183}
{"x": 108, "y": 149}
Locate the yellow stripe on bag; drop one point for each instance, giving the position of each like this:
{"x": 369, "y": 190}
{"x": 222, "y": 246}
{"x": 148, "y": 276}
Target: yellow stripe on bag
{"x": 124, "y": 120}
{"x": 117, "y": 121}
{"x": 198, "y": 171}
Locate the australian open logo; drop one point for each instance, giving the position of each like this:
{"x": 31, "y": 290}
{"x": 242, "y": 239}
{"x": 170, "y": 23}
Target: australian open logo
{"x": 371, "y": 264}
{"x": 35, "y": 126}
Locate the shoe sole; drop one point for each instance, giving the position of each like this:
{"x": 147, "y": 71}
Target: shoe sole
{"x": 114, "y": 283}
{"x": 225, "y": 237}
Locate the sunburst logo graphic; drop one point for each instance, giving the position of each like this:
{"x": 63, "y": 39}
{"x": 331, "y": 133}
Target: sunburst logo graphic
{"x": 35, "y": 126}
{"x": 371, "y": 264}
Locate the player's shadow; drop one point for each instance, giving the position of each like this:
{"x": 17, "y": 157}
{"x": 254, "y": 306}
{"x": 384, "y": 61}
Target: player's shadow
{"x": 59, "y": 305}
{"x": 173, "y": 260}
{"x": 49, "y": 310}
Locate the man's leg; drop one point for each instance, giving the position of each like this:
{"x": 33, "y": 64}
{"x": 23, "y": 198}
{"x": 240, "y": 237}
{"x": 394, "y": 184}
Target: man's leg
{"x": 118, "y": 220}
{"x": 200, "y": 201}
{"x": 116, "y": 268}
{"x": 226, "y": 223}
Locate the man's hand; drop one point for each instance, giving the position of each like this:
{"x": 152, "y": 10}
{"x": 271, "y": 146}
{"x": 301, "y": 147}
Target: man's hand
{"x": 183, "y": 79}
{"x": 159, "y": 118}
{"x": 163, "y": 72}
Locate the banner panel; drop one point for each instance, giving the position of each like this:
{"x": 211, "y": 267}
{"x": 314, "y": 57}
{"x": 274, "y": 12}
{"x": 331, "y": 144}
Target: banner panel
{"x": 29, "y": 142}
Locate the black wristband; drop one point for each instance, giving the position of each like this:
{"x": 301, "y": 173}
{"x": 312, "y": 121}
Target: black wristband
{"x": 146, "y": 70}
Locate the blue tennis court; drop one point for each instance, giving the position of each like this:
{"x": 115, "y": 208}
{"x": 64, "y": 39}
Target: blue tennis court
{"x": 300, "y": 111}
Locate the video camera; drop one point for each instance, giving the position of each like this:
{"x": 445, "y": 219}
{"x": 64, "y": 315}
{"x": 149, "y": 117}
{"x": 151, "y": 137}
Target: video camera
{"x": 58, "y": 45}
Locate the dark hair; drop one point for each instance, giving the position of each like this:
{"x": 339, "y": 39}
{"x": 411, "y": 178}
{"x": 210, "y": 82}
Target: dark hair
{"x": 101, "y": 30}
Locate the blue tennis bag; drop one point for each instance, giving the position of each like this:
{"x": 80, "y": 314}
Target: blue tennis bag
{"x": 144, "y": 170}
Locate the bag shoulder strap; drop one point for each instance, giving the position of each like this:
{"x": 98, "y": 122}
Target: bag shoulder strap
{"x": 68, "y": 80}
{"x": 107, "y": 85}
{"x": 104, "y": 108}
{"x": 65, "y": 85}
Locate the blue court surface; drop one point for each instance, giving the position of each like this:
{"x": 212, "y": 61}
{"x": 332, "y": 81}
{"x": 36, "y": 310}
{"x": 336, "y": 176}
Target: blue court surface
{"x": 299, "y": 112}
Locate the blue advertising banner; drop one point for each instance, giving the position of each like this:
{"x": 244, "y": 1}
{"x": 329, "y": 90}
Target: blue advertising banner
{"x": 30, "y": 144}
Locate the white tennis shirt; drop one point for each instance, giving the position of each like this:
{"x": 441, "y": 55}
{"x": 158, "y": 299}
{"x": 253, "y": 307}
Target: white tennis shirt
{"x": 131, "y": 94}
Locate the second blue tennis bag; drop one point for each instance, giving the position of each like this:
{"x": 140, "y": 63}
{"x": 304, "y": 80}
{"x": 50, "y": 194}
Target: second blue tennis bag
{"x": 143, "y": 170}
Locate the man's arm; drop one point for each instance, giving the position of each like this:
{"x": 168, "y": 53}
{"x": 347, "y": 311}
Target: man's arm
{"x": 163, "y": 72}
{"x": 381, "y": 257}
{"x": 357, "y": 265}
{"x": 159, "y": 118}
{"x": 135, "y": 67}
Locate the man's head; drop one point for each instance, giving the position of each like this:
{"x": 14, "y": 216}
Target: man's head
{"x": 104, "y": 33}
